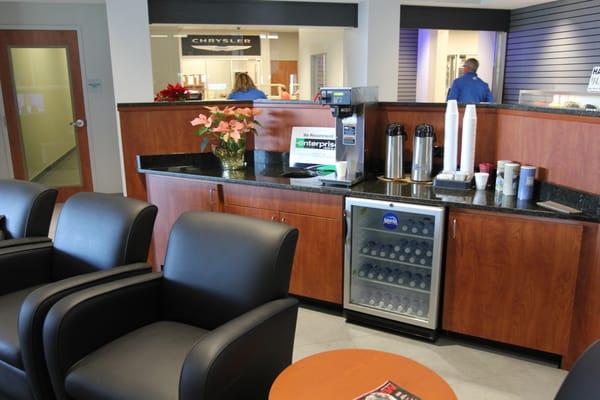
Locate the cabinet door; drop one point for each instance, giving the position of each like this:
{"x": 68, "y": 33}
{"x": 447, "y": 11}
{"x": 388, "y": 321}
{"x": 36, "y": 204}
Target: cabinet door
{"x": 261, "y": 213}
{"x": 511, "y": 279}
{"x": 318, "y": 266}
{"x": 173, "y": 197}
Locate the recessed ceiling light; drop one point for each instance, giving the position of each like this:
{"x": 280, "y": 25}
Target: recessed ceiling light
{"x": 180, "y": 35}
{"x": 159, "y": 36}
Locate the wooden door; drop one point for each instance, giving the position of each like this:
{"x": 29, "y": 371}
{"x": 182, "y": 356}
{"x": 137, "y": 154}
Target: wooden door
{"x": 41, "y": 82}
{"x": 318, "y": 263}
{"x": 269, "y": 215}
{"x": 281, "y": 71}
{"x": 511, "y": 279}
{"x": 173, "y": 197}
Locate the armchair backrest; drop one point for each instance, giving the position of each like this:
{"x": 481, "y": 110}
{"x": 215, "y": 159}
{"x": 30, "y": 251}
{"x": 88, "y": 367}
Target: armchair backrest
{"x": 98, "y": 231}
{"x": 27, "y": 208}
{"x": 583, "y": 381}
{"x": 219, "y": 266}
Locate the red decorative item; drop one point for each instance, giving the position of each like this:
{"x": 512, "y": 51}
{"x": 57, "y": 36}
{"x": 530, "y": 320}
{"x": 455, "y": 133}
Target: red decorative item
{"x": 175, "y": 92}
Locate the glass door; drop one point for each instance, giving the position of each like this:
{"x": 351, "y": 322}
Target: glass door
{"x": 43, "y": 98}
{"x": 393, "y": 259}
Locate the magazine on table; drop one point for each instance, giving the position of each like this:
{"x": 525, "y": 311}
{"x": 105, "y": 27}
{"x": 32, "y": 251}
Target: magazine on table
{"x": 388, "y": 391}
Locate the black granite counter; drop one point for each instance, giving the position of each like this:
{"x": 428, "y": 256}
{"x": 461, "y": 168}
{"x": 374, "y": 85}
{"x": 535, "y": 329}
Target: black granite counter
{"x": 267, "y": 169}
{"x": 258, "y": 103}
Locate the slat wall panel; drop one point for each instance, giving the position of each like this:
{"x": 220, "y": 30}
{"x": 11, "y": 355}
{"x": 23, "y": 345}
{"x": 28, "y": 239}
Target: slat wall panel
{"x": 407, "y": 65}
{"x": 552, "y": 46}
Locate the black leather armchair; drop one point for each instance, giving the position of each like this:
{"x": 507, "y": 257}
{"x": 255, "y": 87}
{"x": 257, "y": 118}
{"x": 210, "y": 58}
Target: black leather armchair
{"x": 95, "y": 232}
{"x": 25, "y": 212}
{"x": 215, "y": 324}
{"x": 583, "y": 381}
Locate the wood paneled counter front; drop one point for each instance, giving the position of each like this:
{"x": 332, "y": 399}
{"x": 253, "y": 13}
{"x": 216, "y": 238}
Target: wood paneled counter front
{"x": 520, "y": 276}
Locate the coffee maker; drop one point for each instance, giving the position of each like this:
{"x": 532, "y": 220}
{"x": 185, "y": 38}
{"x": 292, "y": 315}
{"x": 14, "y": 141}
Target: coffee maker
{"x": 348, "y": 106}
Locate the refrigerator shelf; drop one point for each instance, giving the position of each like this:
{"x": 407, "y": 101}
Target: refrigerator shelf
{"x": 423, "y": 318}
{"x": 394, "y": 285}
{"x": 395, "y": 261}
{"x": 410, "y": 235}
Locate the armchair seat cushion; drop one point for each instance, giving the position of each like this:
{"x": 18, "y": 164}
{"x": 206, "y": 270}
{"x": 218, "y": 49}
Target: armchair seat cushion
{"x": 142, "y": 365}
{"x": 10, "y": 306}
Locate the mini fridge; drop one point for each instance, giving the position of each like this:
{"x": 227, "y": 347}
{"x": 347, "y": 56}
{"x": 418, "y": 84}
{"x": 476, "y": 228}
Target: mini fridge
{"x": 392, "y": 265}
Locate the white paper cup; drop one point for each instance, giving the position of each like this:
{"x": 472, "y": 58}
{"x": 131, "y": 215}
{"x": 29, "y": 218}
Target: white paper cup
{"x": 341, "y": 168}
{"x": 481, "y": 179}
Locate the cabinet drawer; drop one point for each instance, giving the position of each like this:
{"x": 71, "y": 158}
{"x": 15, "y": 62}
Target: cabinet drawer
{"x": 285, "y": 200}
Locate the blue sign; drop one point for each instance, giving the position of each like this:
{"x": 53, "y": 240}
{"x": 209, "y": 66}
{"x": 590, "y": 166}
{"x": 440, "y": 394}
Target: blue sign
{"x": 390, "y": 221}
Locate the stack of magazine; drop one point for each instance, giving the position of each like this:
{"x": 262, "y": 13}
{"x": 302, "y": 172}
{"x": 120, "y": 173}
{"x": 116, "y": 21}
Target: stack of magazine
{"x": 388, "y": 391}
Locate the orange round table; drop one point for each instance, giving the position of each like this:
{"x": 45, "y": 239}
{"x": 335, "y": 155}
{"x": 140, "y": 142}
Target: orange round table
{"x": 347, "y": 374}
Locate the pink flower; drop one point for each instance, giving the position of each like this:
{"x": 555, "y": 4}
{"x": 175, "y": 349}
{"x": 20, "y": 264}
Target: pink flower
{"x": 250, "y": 125}
{"x": 236, "y": 125}
{"x": 246, "y": 112}
{"x": 256, "y": 111}
{"x": 212, "y": 109}
{"x": 223, "y": 127}
{"x": 235, "y": 135}
{"x": 202, "y": 120}
{"x": 229, "y": 110}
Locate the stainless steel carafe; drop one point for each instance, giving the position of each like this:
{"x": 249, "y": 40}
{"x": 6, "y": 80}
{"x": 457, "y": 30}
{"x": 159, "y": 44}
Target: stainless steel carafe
{"x": 422, "y": 162}
{"x": 394, "y": 153}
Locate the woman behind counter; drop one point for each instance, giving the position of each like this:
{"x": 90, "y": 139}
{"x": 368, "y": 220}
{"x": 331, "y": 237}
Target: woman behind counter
{"x": 244, "y": 89}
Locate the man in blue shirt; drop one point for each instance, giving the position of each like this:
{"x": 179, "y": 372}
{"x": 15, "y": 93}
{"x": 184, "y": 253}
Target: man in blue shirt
{"x": 469, "y": 88}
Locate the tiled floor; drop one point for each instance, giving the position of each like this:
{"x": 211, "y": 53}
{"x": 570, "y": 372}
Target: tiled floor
{"x": 474, "y": 373}
{"x": 65, "y": 172}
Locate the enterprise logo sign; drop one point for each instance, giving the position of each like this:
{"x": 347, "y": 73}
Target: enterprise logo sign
{"x": 315, "y": 144}
{"x": 219, "y": 45}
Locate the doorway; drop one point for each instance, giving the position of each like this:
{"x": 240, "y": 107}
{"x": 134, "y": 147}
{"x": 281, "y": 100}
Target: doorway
{"x": 41, "y": 78}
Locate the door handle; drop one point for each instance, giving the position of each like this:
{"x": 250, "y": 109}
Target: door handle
{"x": 78, "y": 123}
{"x": 273, "y": 218}
{"x": 454, "y": 228}
{"x": 283, "y": 220}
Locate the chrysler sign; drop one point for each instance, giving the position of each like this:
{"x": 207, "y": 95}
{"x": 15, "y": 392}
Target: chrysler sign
{"x": 220, "y": 45}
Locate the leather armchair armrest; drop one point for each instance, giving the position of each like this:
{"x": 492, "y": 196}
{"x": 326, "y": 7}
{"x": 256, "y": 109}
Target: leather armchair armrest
{"x": 23, "y": 241}
{"x": 37, "y": 305}
{"x": 241, "y": 358}
{"x": 86, "y": 320}
{"x": 25, "y": 266}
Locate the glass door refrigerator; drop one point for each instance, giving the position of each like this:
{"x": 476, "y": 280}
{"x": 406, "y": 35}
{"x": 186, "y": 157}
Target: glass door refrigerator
{"x": 392, "y": 266}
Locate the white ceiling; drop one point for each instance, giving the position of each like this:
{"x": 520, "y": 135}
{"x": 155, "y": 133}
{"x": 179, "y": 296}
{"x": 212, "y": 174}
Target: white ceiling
{"x": 506, "y": 4}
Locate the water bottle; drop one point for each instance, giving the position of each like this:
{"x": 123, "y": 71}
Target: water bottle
{"x": 363, "y": 298}
{"x": 374, "y": 250}
{"x": 385, "y": 300}
{"x": 373, "y": 272}
{"x": 366, "y": 249}
{"x": 426, "y": 227}
{"x": 393, "y": 305}
{"x": 407, "y": 226}
{"x": 408, "y": 248}
{"x": 402, "y": 257}
{"x": 391, "y": 252}
{"x": 412, "y": 259}
{"x": 364, "y": 270}
{"x": 424, "y": 307}
{"x": 383, "y": 274}
{"x": 403, "y": 304}
{"x": 426, "y": 282}
{"x": 374, "y": 299}
{"x": 415, "y": 280}
{"x": 417, "y": 228}
{"x": 404, "y": 277}
{"x": 393, "y": 277}
{"x": 383, "y": 251}
{"x": 429, "y": 250}
{"x": 420, "y": 248}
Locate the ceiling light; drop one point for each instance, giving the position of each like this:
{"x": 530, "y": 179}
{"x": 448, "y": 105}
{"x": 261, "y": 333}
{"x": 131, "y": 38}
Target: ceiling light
{"x": 180, "y": 35}
{"x": 159, "y": 36}
{"x": 263, "y": 35}
{"x": 272, "y": 36}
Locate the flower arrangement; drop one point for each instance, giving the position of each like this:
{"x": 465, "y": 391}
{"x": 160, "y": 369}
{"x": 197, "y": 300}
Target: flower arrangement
{"x": 172, "y": 93}
{"x": 229, "y": 127}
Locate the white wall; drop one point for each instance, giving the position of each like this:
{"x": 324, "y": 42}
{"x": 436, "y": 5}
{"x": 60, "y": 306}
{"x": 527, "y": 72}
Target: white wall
{"x": 91, "y": 22}
{"x": 312, "y": 41}
{"x": 285, "y": 48}
{"x": 487, "y": 49}
{"x": 165, "y": 62}
{"x": 372, "y": 48}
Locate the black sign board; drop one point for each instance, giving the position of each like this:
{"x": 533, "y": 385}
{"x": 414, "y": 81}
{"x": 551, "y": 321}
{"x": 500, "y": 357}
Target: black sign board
{"x": 220, "y": 45}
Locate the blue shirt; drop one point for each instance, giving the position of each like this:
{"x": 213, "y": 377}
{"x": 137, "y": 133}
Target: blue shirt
{"x": 251, "y": 94}
{"x": 470, "y": 89}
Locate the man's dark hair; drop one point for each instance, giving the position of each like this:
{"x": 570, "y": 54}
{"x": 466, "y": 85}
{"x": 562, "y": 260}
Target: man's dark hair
{"x": 472, "y": 64}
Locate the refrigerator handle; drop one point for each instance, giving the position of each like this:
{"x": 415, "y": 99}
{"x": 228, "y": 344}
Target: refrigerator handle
{"x": 346, "y": 220}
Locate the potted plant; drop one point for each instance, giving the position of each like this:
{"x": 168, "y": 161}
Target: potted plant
{"x": 175, "y": 92}
{"x": 230, "y": 127}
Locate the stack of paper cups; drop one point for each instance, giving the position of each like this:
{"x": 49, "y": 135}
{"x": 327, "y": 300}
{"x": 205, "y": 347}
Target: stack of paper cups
{"x": 526, "y": 181}
{"x": 451, "y": 136}
{"x": 469, "y": 133}
{"x": 511, "y": 174}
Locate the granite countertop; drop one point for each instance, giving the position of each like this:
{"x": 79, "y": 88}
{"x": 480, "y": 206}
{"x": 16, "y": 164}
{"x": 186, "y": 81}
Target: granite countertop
{"x": 266, "y": 169}
{"x": 258, "y": 103}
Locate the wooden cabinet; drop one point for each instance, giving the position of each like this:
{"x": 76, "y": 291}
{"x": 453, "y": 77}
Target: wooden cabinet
{"x": 318, "y": 264}
{"x": 174, "y": 196}
{"x": 511, "y": 279}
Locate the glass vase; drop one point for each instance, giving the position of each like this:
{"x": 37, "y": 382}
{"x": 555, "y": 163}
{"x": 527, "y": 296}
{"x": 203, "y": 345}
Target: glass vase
{"x": 231, "y": 159}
